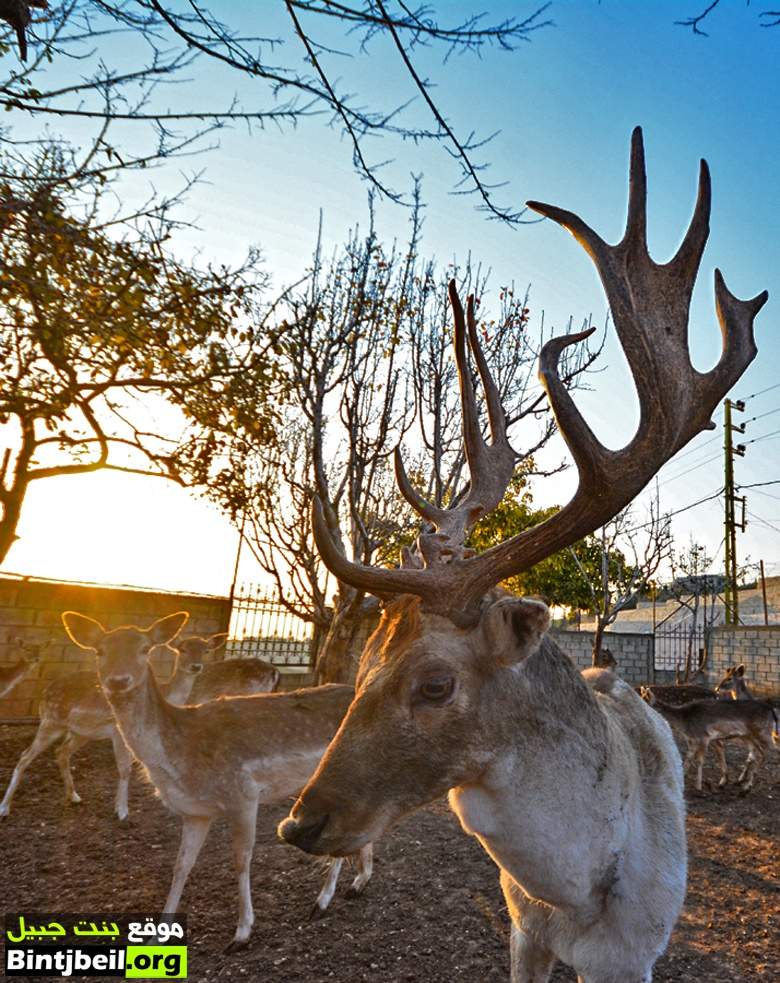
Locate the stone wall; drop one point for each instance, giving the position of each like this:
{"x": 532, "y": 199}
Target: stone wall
{"x": 30, "y": 611}
{"x": 757, "y": 646}
{"x": 633, "y": 653}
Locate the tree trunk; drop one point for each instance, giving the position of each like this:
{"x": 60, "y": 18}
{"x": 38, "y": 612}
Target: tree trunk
{"x": 598, "y": 639}
{"x": 337, "y": 661}
{"x": 12, "y": 509}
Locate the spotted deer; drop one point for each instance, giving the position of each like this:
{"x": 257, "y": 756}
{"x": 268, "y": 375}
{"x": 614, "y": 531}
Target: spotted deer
{"x": 73, "y": 709}
{"x": 570, "y": 782}
{"x": 706, "y": 722}
{"x": 13, "y": 674}
{"x": 230, "y": 677}
{"x": 222, "y": 758}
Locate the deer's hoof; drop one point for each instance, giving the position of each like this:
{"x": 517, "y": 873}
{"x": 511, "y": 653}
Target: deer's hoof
{"x": 316, "y": 913}
{"x": 235, "y": 946}
{"x": 353, "y": 892}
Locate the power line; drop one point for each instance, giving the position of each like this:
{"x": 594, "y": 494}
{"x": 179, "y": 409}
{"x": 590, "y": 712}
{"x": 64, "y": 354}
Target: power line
{"x": 761, "y": 392}
{"x": 695, "y": 467}
{"x": 764, "y": 522}
{"x": 765, "y": 436}
{"x": 685, "y": 508}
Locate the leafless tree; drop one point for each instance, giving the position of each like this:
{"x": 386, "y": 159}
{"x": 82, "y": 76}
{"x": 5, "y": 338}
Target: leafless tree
{"x": 370, "y": 325}
{"x": 631, "y": 554}
{"x": 293, "y": 56}
{"x": 697, "y": 591}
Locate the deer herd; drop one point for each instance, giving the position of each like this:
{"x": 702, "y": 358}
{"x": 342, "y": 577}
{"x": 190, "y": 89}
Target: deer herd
{"x": 571, "y": 781}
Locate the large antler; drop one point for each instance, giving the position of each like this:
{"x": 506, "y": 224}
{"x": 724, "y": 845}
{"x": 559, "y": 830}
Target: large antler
{"x": 650, "y": 307}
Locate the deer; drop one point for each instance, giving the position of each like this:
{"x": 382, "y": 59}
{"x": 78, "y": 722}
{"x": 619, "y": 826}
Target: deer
{"x": 74, "y": 708}
{"x": 569, "y": 781}
{"x": 733, "y": 685}
{"x": 11, "y": 675}
{"x": 230, "y": 677}
{"x": 222, "y": 758}
{"x": 715, "y": 721}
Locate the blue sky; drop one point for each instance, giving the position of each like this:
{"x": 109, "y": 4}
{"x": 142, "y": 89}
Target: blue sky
{"x": 565, "y": 105}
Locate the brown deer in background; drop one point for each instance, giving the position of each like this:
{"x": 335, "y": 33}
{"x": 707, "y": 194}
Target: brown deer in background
{"x": 733, "y": 684}
{"x": 570, "y": 782}
{"x": 712, "y": 722}
{"x": 217, "y": 759}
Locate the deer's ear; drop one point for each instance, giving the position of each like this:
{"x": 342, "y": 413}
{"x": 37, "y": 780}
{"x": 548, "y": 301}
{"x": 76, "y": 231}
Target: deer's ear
{"x": 514, "y": 627}
{"x": 740, "y": 670}
{"x": 166, "y": 629}
{"x": 217, "y": 641}
{"x": 83, "y": 631}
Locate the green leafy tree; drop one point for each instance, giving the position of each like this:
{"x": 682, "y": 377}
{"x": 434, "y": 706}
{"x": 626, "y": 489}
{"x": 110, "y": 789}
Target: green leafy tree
{"x": 558, "y": 579}
{"x": 101, "y": 326}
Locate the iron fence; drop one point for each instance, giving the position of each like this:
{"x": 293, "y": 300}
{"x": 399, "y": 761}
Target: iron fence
{"x": 674, "y": 644}
{"x": 261, "y": 627}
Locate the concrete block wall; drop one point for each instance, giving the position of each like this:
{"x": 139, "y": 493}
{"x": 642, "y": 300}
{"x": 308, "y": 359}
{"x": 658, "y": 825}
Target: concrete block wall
{"x": 757, "y": 646}
{"x": 30, "y": 611}
{"x": 633, "y": 652}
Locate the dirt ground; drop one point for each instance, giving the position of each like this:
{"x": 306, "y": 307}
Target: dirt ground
{"x": 432, "y": 913}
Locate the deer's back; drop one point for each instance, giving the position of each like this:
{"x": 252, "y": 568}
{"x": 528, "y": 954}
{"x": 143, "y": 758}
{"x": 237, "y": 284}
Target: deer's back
{"x": 234, "y": 677}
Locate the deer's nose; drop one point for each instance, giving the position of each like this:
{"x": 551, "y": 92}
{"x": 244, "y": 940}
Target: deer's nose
{"x": 118, "y": 684}
{"x": 196, "y": 667}
{"x": 302, "y": 835}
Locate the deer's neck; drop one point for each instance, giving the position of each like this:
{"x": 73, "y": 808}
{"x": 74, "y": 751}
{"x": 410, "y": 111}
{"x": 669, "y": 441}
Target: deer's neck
{"x": 177, "y": 689}
{"x": 147, "y": 721}
{"x": 547, "y": 807}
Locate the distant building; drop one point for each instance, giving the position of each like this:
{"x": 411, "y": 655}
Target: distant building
{"x": 672, "y": 614}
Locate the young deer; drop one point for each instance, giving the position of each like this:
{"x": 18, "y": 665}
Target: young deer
{"x": 13, "y": 674}
{"x": 74, "y": 708}
{"x": 571, "y": 783}
{"x": 715, "y": 721}
{"x": 222, "y": 758}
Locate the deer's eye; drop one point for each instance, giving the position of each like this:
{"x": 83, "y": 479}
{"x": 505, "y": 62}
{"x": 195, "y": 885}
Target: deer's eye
{"x": 436, "y": 689}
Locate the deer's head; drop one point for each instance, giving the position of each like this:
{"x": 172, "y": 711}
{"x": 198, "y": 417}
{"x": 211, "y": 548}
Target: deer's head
{"x": 433, "y": 675}
{"x": 122, "y": 654}
{"x": 194, "y": 651}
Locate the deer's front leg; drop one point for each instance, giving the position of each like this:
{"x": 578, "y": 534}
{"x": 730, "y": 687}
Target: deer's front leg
{"x": 124, "y": 765}
{"x": 194, "y": 830}
{"x": 69, "y": 746}
{"x": 365, "y": 870}
{"x": 530, "y": 959}
{"x": 243, "y": 825}
{"x": 328, "y": 889}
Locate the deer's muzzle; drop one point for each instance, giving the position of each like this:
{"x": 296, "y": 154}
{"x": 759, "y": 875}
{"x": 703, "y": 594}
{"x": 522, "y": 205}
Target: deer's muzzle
{"x": 302, "y": 835}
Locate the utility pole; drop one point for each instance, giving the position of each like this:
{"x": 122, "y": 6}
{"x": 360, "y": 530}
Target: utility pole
{"x": 730, "y": 500}
{"x": 763, "y": 592}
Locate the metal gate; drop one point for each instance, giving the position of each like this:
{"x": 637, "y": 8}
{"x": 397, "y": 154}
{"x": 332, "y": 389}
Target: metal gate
{"x": 673, "y": 643}
{"x": 261, "y": 627}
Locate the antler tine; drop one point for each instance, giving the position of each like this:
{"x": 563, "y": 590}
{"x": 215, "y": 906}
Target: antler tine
{"x": 636, "y": 220}
{"x": 472, "y": 438}
{"x": 688, "y": 257}
{"x": 420, "y": 505}
{"x": 495, "y": 408}
{"x": 580, "y": 439}
{"x": 736, "y": 324}
{"x": 374, "y": 580}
